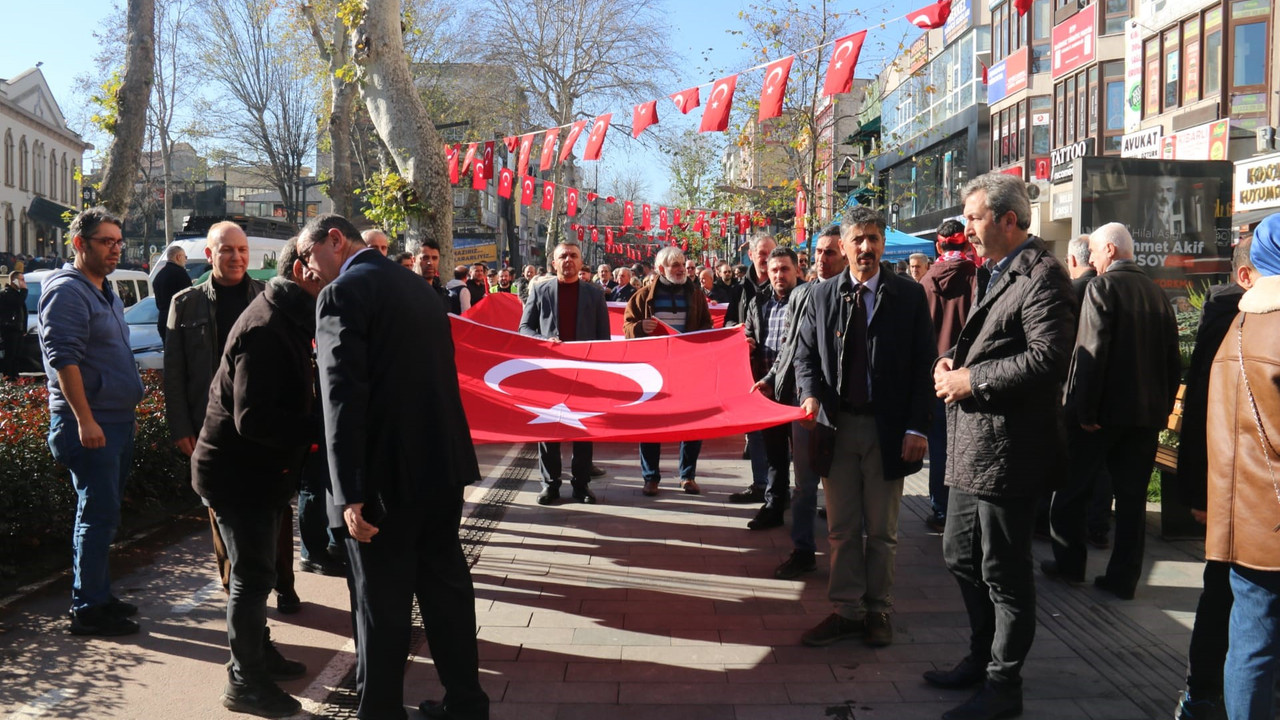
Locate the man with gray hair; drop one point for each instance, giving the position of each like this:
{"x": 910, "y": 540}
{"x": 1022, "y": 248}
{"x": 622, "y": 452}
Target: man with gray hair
{"x": 1002, "y": 383}
{"x": 376, "y": 239}
{"x": 917, "y": 266}
{"x": 1078, "y": 266}
{"x": 170, "y": 279}
{"x": 1124, "y": 376}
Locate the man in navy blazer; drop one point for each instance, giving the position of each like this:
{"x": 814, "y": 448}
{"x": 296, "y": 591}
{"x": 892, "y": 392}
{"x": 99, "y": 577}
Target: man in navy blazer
{"x": 863, "y": 360}
{"x": 564, "y": 311}
{"x": 389, "y": 389}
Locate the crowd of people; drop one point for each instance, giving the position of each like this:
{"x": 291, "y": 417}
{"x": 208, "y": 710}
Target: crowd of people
{"x": 1027, "y": 391}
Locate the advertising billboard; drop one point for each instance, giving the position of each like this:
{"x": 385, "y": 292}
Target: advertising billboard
{"x": 1007, "y": 76}
{"x": 1074, "y": 41}
{"x": 471, "y": 250}
{"x": 1179, "y": 213}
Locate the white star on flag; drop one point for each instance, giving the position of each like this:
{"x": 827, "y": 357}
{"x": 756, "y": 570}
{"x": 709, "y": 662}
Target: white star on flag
{"x": 559, "y": 414}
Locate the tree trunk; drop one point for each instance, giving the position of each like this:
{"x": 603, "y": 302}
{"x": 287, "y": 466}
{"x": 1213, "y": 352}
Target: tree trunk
{"x": 166, "y": 156}
{"x": 135, "y": 93}
{"x": 341, "y": 183}
{"x": 403, "y": 124}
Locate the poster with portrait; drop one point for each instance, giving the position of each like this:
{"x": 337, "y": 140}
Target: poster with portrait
{"x": 1178, "y": 211}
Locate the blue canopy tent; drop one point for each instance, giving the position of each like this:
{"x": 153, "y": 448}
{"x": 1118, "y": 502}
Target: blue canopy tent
{"x": 899, "y": 245}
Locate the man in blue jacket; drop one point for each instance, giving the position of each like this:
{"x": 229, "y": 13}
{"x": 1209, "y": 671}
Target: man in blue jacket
{"x": 94, "y": 389}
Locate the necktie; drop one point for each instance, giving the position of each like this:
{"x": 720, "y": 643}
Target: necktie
{"x": 857, "y": 381}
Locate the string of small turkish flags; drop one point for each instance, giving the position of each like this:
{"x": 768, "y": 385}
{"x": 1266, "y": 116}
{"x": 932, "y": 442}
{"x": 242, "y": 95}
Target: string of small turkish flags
{"x": 715, "y": 115}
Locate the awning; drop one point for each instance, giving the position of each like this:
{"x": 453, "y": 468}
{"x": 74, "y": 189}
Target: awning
{"x": 899, "y": 246}
{"x": 48, "y": 212}
{"x": 868, "y": 129}
{"x": 1253, "y": 217}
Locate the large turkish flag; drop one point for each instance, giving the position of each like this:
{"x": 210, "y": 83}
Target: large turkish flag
{"x": 517, "y": 388}
{"x": 499, "y": 310}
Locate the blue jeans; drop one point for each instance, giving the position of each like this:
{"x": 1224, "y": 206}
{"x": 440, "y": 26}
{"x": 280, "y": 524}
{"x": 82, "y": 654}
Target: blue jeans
{"x": 98, "y": 476}
{"x": 804, "y": 498}
{"x": 650, "y": 454}
{"x": 1253, "y": 650}
{"x": 938, "y": 459}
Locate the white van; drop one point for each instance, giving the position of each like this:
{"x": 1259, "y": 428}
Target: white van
{"x": 261, "y": 250}
{"x": 130, "y": 285}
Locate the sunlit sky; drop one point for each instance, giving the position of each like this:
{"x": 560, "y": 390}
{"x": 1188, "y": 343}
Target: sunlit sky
{"x": 59, "y": 33}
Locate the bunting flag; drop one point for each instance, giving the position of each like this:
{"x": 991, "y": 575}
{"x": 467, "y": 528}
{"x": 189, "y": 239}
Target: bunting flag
{"x": 526, "y": 149}
{"x": 644, "y": 115}
{"x": 595, "y": 141}
{"x": 724, "y": 226}
{"x": 628, "y": 213}
{"x": 591, "y": 197}
{"x": 677, "y": 216}
{"x": 526, "y": 190}
{"x": 662, "y": 218}
{"x": 595, "y": 234}
{"x": 548, "y": 149}
{"x": 512, "y": 142}
{"x": 548, "y": 195}
{"x": 571, "y": 201}
{"x": 984, "y": 72}
{"x": 775, "y": 87}
{"x": 931, "y": 17}
{"x": 1023, "y": 6}
{"x": 480, "y": 174}
{"x": 468, "y": 159}
{"x": 686, "y": 100}
{"x": 506, "y": 178}
{"x": 645, "y": 217}
{"x": 802, "y": 207}
{"x": 488, "y": 160}
{"x": 566, "y": 147}
{"x": 581, "y": 232}
{"x": 844, "y": 59}
{"x": 715, "y": 116}
{"x": 451, "y": 157}
{"x": 701, "y": 223}
{"x": 744, "y": 223}
{"x": 608, "y": 235}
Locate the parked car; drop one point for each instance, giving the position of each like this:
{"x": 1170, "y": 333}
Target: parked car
{"x": 131, "y": 286}
{"x": 144, "y": 338}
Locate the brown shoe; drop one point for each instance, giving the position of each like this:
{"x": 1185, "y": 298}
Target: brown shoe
{"x": 833, "y": 629}
{"x": 690, "y": 486}
{"x": 650, "y": 489}
{"x": 879, "y": 630}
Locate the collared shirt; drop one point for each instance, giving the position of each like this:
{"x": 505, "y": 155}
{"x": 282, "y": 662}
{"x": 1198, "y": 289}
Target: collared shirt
{"x": 1005, "y": 262}
{"x": 347, "y": 264}
{"x": 869, "y": 298}
{"x": 775, "y": 328}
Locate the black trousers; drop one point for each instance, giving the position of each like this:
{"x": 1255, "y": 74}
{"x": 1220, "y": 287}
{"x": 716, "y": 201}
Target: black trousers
{"x": 550, "y": 466}
{"x": 987, "y": 547}
{"x": 11, "y": 340}
{"x": 777, "y": 451}
{"x": 250, "y": 534}
{"x": 416, "y": 553}
{"x": 1127, "y": 454}
{"x": 1209, "y": 634}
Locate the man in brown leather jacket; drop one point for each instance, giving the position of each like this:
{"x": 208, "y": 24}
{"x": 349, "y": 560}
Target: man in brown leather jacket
{"x": 1244, "y": 487}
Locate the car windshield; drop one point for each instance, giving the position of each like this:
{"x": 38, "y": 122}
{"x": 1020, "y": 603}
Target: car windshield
{"x": 143, "y": 313}
{"x": 33, "y": 296}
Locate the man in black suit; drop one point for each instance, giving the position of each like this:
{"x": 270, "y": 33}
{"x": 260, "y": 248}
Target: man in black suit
{"x": 862, "y": 365}
{"x": 564, "y": 311}
{"x": 170, "y": 279}
{"x": 389, "y": 388}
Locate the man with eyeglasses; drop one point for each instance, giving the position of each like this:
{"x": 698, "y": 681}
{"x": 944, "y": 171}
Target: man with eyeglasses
{"x": 94, "y": 390}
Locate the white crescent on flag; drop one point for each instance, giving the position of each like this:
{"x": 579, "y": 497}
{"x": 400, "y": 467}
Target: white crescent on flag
{"x": 846, "y": 47}
{"x": 721, "y": 87}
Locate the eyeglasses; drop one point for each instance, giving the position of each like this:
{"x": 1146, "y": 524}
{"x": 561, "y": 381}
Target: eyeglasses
{"x": 304, "y": 256}
{"x": 109, "y": 243}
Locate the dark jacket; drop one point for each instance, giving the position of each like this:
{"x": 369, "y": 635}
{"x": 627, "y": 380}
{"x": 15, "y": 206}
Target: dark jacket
{"x": 541, "y": 316}
{"x": 722, "y": 293}
{"x": 735, "y": 314}
{"x": 950, "y": 287}
{"x": 190, "y": 355}
{"x": 13, "y": 308}
{"x": 1125, "y": 367}
{"x": 623, "y": 293}
{"x": 1219, "y": 310}
{"x": 1079, "y": 284}
{"x": 170, "y": 280}
{"x": 756, "y": 323}
{"x": 641, "y": 306}
{"x": 260, "y": 422}
{"x": 782, "y": 377}
{"x": 395, "y": 430}
{"x": 1008, "y": 440}
{"x": 900, "y": 353}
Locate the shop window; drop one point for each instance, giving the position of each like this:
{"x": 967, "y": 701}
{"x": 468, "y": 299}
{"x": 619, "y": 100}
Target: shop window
{"x": 1115, "y": 13}
{"x": 1249, "y": 45}
{"x": 1212, "y": 52}
{"x": 1151, "y": 54}
{"x": 1113, "y": 127}
{"x": 1041, "y": 106}
{"x": 1172, "y": 58}
{"x": 1191, "y": 61}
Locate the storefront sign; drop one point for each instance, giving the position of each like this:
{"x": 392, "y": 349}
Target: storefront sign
{"x": 1007, "y": 76}
{"x": 1257, "y": 184}
{"x": 1202, "y": 142}
{"x": 1142, "y": 144}
{"x": 1060, "y": 205}
{"x": 1064, "y": 157}
{"x": 468, "y": 251}
{"x": 1132, "y": 76}
{"x": 1074, "y": 41}
{"x": 958, "y": 21}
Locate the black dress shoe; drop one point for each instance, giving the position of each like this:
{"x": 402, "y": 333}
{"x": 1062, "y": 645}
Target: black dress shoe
{"x": 330, "y": 568}
{"x": 98, "y": 621}
{"x": 967, "y": 673}
{"x": 548, "y": 496}
{"x": 1051, "y": 570}
{"x": 752, "y": 494}
{"x": 1099, "y": 540}
{"x": 439, "y": 711}
{"x": 280, "y": 668}
{"x": 120, "y": 608}
{"x": 990, "y": 703}
{"x": 265, "y": 700}
{"x": 584, "y": 495}
{"x": 936, "y": 522}
{"x": 1106, "y": 584}
{"x": 800, "y": 562}
{"x": 288, "y": 603}
{"x": 767, "y": 517}
{"x": 597, "y": 471}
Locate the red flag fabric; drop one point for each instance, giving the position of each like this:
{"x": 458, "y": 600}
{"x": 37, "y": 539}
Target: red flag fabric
{"x": 686, "y": 100}
{"x": 715, "y": 116}
{"x": 744, "y": 223}
{"x": 526, "y": 190}
{"x": 628, "y": 214}
{"x": 595, "y": 141}
{"x": 931, "y": 16}
{"x": 526, "y": 148}
{"x": 488, "y": 160}
{"x": 701, "y": 222}
{"x": 581, "y": 232}
{"x": 451, "y": 157}
{"x": 724, "y": 226}
{"x": 468, "y": 158}
{"x": 548, "y": 195}
{"x": 497, "y": 310}
{"x": 677, "y": 216}
{"x": 571, "y": 201}
{"x": 566, "y": 147}
{"x": 591, "y": 197}
{"x": 984, "y": 72}
{"x": 645, "y": 217}
{"x": 662, "y": 218}
{"x": 480, "y": 174}
{"x": 506, "y": 178}
{"x": 802, "y": 206}
{"x": 1023, "y": 6}
{"x": 512, "y": 142}
{"x": 844, "y": 59}
{"x": 775, "y": 87}
{"x": 548, "y": 149}
{"x": 644, "y": 115}
{"x": 595, "y": 234}
{"x": 608, "y": 235}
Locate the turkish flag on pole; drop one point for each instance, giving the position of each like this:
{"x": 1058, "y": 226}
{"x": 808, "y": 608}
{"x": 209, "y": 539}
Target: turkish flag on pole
{"x": 645, "y": 217}
{"x": 595, "y": 234}
{"x": 628, "y": 213}
{"x": 802, "y": 206}
{"x": 595, "y": 141}
{"x": 479, "y": 175}
{"x": 468, "y": 158}
{"x": 526, "y": 190}
{"x": 677, "y": 216}
{"x": 512, "y": 142}
{"x": 548, "y": 195}
{"x": 1023, "y": 6}
{"x": 506, "y": 179}
{"x": 526, "y": 149}
{"x": 686, "y": 100}
{"x": 844, "y": 59}
{"x": 724, "y": 226}
{"x": 608, "y": 235}
{"x": 775, "y": 86}
{"x": 488, "y": 160}
{"x": 451, "y": 156}
{"x": 701, "y": 222}
{"x": 662, "y": 218}
{"x": 644, "y": 115}
{"x": 715, "y": 116}
{"x": 931, "y": 16}
{"x": 581, "y": 231}
{"x": 571, "y": 201}
{"x": 548, "y": 149}
{"x": 744, "y": 224}
{"x": 566, "y": 147}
